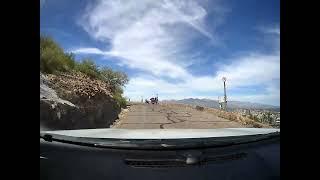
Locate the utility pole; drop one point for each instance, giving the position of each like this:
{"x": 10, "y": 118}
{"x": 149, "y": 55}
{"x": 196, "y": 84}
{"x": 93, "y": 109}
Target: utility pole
{"x": 224, "y": 79}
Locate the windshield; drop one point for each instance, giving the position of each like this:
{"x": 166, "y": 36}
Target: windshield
{"x": 159, "y": 68}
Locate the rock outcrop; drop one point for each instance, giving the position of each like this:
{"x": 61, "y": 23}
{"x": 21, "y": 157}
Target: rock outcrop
{"x": 74, "y": 101}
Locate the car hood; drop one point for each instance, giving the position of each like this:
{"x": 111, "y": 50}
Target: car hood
{"x": 161, "y": 133}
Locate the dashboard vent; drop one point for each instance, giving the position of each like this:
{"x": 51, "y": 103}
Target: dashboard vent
{"x": 155, "y": 163}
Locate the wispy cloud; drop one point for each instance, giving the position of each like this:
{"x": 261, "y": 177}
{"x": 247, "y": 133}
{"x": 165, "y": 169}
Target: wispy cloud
{"x": 189, "y": 12}
{"x": 153, "y": 35}
{"x": 89, "y": 51}
{"x": 274, "y": 31}
{"x": 270, "y": 29}
{"x": 147, "y": 35}
{"x": 250, "y": 70}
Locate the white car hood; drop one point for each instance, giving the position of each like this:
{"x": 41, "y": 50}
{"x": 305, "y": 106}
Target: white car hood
{"x": 162, "y": 133}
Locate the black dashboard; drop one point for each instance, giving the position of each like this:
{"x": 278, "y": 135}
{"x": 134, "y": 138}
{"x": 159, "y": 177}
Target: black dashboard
{"x": 256, "y": 160}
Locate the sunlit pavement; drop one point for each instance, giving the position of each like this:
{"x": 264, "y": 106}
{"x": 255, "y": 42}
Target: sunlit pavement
{"x": 148, "y": 116}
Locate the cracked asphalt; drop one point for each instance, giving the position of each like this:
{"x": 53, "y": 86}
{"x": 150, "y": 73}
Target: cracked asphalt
{"x": 148, "y": 116}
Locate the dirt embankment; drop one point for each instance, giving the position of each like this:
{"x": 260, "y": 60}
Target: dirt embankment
{"x": 74, "y": 101}
{"x": 233, "y": 116}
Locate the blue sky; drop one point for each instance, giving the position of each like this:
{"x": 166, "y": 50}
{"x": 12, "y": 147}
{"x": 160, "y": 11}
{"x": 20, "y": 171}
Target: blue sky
{"x": 176, "y": 48}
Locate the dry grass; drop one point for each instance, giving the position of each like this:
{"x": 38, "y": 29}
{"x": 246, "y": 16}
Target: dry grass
{"x": 237, "y": 117}
{"x": 233, "y": 116}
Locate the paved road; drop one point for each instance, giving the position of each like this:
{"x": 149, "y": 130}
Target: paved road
{"x": 143, "y": 116}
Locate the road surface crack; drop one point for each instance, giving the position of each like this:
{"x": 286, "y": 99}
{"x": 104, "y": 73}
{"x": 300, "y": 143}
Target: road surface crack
{"x": 171, "y": 115}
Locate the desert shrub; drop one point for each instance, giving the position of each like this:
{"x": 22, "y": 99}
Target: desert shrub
{"x": 89, "y": 68}
{"x": 116, "y": 79}
{"x": 199, "y": 108}
{"x": 52, "y": 57}
{"x": 121, "y": 101}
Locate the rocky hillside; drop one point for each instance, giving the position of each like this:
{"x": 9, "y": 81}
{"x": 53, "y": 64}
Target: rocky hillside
{"x": 75, "y": 101}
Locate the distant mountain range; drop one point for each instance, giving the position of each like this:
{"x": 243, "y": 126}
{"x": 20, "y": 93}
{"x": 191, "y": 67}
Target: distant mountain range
{"x": 231, "y": 104}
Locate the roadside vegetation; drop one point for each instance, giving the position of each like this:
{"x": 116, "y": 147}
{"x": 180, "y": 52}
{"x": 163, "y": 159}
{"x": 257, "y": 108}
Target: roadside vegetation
{"x": 233, "y": 116}
{"x": 53, "y": 60}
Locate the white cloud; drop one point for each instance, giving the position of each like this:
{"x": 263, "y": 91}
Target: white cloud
{"x": 272, "y": 98}
{"x": 271, "y": 35}
{"x": 250, "y": 70}
{"x": 253, "y": 69}
{"x": 151, "y": 36}
{"x": 89, "y": 51}
{"x": 270, "y": 29}
{"x": 273, "y": 31}
{"x": 147, "y": 35}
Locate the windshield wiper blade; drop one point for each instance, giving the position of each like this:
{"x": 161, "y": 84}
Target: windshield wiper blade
{"x": 164, "y": 144}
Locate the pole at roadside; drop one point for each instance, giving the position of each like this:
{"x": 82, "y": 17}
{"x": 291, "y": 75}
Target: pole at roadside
{"x": 224, "y": 79}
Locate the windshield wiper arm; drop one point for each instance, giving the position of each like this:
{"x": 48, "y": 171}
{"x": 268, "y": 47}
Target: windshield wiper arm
{"x": 46, "y": 137}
